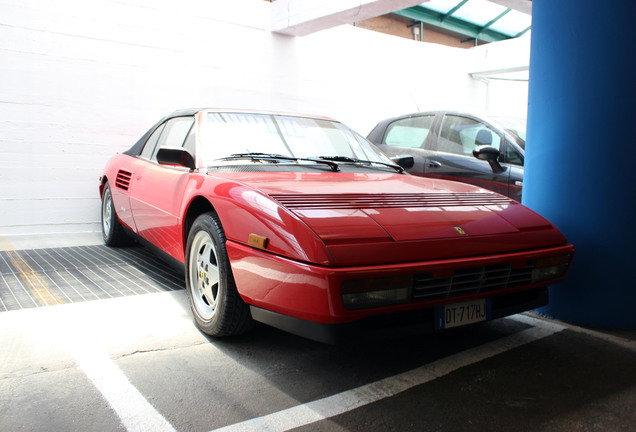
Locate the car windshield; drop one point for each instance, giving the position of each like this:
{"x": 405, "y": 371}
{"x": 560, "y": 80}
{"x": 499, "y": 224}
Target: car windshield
{"x": 515, "y": 127}
{"x": 239, "y": 135}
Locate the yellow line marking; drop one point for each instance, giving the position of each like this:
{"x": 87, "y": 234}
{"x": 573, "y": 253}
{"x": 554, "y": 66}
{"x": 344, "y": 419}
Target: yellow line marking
{"x": 34, "y": 282}
{"x": 5, "y": 244}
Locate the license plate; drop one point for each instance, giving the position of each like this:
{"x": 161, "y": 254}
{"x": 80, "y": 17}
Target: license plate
{"x": 459, "y": 314}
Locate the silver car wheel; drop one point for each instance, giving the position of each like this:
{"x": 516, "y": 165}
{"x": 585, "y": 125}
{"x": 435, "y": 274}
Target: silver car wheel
{"x": 106, "y": 212}
{"x": 204, "y": 275}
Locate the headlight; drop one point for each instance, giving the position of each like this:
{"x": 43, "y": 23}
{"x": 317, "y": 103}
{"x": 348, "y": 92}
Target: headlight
{"x": 550, "y": 268}
{"x": 367, "y": 293}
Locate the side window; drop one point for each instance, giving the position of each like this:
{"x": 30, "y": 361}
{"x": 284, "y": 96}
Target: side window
{"x": 409, "y": 132}
{"x": 174, "y": 133}
{"x": 191, "y": 142}
{"x": 461, "y": 135}
{"x": 149, "y": 147}
{"x": 512, "y": 156}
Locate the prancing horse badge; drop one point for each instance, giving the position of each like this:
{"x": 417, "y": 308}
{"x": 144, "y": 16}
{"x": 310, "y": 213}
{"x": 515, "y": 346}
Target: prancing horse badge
{"x": 459, "y": 230}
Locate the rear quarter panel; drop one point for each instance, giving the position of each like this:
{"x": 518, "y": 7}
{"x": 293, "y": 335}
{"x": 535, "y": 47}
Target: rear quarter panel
{"x": 120, "y": 196}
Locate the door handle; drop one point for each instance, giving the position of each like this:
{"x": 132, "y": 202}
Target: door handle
{"x": 434, "y": 164}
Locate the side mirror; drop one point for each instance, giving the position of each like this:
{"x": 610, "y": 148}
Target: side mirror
{"x": 175, "y": 156}
{"x": 491, "y": 155}
{"x": 405, "y": 162}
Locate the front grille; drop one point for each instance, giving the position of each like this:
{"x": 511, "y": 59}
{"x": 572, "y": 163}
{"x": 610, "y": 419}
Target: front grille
{"x": 362, "y": 201}
{"x": 472, "y": 280}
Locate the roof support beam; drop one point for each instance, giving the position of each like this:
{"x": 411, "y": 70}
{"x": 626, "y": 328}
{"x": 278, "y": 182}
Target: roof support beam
{"x": 452, "y": 24}
{"x": 494, "y": 20}
{"x": 302, "y": 17}
{"x": 453, "y": 10}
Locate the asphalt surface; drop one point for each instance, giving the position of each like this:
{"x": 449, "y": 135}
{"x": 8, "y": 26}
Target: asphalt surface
{"x": 138, "y": 363}
{"x": 133, "y": 360}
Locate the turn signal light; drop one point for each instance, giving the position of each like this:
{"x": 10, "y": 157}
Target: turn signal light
{"x": 257, "y": 241}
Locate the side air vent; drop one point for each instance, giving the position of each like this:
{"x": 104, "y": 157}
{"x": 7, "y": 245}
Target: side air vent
{"x": 123, "y": 180}
{"x": 362, "y": 201}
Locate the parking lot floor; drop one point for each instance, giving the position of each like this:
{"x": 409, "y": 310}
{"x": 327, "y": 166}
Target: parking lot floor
{"x": 138, "y": 363}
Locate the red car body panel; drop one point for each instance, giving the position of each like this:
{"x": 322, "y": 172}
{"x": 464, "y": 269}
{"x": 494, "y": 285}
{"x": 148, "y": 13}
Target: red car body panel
{"x": 327, "y": 227}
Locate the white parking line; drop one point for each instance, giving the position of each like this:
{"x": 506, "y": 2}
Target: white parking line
{"x": 351, "y": 399}
{"x": 135, "y": 412}
{"x": 527, "y": 318}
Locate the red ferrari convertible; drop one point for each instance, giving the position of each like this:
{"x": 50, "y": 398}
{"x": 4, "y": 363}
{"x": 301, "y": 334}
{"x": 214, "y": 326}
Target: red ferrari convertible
{"x": 300, "y": 223}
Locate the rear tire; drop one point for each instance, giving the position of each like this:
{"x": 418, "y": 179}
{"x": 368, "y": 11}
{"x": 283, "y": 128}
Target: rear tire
{"x": 112, "y": 231}
{"x": 215, "y": 302}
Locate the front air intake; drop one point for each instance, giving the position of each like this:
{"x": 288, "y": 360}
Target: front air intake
{"x": 472, "y": 280}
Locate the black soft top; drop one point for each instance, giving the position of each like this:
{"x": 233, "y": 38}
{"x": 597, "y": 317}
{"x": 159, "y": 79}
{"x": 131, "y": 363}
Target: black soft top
{"x": 136, "y": 149}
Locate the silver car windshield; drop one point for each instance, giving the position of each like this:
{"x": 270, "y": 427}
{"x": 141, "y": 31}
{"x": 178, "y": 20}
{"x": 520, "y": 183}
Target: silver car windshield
{"x": 222, "y": 135}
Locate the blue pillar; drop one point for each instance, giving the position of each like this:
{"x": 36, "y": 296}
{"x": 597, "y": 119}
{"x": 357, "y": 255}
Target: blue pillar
{"x": 580, "y": 166}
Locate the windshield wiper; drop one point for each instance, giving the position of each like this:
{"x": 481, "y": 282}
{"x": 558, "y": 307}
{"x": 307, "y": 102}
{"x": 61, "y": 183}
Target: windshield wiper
{"x": 276, "y": 157}
{"x": 361, "y": 161}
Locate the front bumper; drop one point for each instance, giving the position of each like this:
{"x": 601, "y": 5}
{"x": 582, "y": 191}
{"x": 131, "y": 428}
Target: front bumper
{"x": 395, "y": 324}
{"x": 313, "y": 293}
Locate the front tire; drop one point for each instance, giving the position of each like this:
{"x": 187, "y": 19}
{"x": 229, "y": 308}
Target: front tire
{"x": 112, "y": 231}
{"x": 215, "y": 302}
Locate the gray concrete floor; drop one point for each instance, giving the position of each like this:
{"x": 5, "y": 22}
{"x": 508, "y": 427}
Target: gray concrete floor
{"x": 138, "y": 363}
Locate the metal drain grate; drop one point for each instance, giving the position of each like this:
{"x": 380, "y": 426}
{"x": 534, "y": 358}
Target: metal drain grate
{"x": 43, "y": 277}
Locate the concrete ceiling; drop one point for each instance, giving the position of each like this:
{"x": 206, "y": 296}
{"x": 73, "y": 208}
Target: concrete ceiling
{"x": 524, "y": 6}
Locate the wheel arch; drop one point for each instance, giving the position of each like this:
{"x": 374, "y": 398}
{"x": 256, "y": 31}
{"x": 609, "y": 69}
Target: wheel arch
{"x": 198, "y": 206}
{"x": 102, "y": 181}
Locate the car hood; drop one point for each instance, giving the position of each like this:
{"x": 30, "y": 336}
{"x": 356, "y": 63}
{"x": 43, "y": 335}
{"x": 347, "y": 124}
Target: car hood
{"x": 355, "y": 214}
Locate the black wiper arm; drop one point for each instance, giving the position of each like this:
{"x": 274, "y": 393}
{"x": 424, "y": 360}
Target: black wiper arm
{"x": 362, "y": 161}
{"x": 257, "y": 155}
{"x": 275, "y": 157}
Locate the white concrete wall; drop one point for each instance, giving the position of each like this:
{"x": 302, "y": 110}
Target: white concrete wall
{"x": 80, "y": 81}
{"x": 506, "y": 65}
